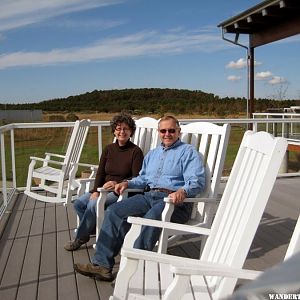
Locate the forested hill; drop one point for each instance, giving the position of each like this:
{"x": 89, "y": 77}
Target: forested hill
{"x": 151, "y": 100}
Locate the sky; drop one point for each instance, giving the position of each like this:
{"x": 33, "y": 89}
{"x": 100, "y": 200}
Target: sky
{"x": 59, "y": 48}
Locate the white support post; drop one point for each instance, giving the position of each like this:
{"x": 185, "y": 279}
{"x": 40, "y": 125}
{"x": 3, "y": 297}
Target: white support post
{"x": 99, "y": 141}
{"x": 255, "y": 126}
{"x": 3, "y": 167}
{"x": 13, "y": 158}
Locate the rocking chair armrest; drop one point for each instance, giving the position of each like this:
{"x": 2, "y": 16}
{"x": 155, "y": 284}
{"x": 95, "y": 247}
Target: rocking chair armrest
{"x": 92, "y": 167}
{"x": 54, "y": 154}
{"x": 47, "y": 160}
{"x": 197, "y": 267}
{"x": 101, "y": 189}
{"x": 168, "y": 225}
{"x": 85, "y": 180}
{"x": 132, "y": 190}
{"x": 190, "y": 266}
{"x": 194, "y": 200}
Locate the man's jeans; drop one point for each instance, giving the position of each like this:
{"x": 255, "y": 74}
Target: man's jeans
{"x": 115, "y": 226}
{"x": 86, "y": 211}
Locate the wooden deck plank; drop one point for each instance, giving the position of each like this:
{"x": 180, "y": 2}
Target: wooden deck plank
{"x": 67, "y": 287}
{"x": 7, "y": 236}
{"x": 30, "y": 271}
{"x": 87, "y": 288}
{"x": 48, "y": 268}
{"x": 47, "y": 289}
{"x": 6, "y": 216}
{"x": 15, "y": 218}
{"x": 5, "y": 252}
{"x": 11, "y": 276}
{"x": 13, "y": 269}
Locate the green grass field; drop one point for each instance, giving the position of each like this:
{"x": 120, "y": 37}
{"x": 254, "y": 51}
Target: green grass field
{"x": 35, "y": 142}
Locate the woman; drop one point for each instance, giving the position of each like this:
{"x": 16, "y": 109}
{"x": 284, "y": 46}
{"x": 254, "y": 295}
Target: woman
{"x": 119, "y": 161}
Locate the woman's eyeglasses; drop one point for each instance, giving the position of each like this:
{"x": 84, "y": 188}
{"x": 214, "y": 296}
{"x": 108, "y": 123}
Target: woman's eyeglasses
{"x": 172, "y": 130}
{"x": 122, "y": 129}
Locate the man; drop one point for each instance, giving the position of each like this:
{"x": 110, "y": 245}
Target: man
{"x": 174, "y": 170}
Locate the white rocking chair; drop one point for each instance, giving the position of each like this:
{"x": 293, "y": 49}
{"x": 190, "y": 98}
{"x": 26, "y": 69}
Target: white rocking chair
{"x": 146, "y": 137}
{"x": 145, "y": 274}
{"x": 54, "y": 173}
{"x": 211, "y": 141}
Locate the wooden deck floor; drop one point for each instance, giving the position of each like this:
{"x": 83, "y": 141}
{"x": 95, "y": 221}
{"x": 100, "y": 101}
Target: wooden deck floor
{"x": 34, "y": 264}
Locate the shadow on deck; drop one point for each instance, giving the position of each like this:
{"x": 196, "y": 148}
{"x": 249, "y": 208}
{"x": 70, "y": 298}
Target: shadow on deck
{"x": 34, "y": 264}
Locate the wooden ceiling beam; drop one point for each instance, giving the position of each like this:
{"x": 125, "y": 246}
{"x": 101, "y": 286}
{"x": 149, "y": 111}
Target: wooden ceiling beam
{"x": 275, "y": 32}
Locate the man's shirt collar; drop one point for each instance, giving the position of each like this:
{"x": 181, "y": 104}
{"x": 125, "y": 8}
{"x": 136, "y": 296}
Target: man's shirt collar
{"x": 178, "y": 142}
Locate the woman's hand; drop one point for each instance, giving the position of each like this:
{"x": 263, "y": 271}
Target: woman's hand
{"x": 109, "y": 185}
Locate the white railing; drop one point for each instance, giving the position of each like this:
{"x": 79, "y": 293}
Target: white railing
{"x": 274, "y": 125}
{"x": 8, "y": 189}
{"x": 291, "y": 130}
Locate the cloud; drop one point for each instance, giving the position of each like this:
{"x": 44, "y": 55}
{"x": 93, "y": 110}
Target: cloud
{"x": 139, "y": 44}
{"x": 240, "y": 64}
{"x": 19, "y": 13}
{"x": 263, "y": 75}
{"x": 86, "y": 24}
{"x": 277, "y": 80}
{"x": 234, "y": 78}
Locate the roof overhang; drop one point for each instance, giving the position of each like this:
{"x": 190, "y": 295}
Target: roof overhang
{"x": 269, "y": 21}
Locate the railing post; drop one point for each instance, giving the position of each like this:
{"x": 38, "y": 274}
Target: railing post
{"x": 283, "y": 127}
{"x": 13, "y": 158}
{"x": 255, "y": 126}
{"x": 291, "y": 130}
{"x": 99, "y": 141}
{"x": 3, "y": 168}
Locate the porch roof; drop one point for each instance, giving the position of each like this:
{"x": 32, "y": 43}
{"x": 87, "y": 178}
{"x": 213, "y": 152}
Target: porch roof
{"x": 266, "y": 22}
{"x": 269, "y": 21}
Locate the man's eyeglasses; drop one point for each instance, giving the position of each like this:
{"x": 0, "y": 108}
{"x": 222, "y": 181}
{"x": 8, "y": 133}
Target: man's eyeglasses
{"x": 171, "y": 130}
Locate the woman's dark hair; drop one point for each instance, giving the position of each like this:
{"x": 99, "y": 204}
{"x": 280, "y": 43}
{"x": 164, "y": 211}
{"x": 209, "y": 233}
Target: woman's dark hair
{"x": 123, "y": 118}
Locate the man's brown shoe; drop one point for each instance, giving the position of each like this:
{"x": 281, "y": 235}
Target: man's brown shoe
{"x": 75, "y": 244}
{"x": 95, "y": 271}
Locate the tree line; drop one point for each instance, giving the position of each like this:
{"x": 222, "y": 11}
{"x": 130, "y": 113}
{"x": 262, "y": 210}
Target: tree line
{"x": 152, "y": 101}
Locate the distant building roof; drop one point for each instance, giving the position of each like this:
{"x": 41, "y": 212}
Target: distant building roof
{"x": 33, "y": 115}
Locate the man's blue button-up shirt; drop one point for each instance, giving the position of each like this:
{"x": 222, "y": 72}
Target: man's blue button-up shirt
{"x": 174, "y": 167}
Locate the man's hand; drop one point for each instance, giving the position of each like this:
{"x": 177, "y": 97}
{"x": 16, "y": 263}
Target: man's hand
{"x": 121, "y": 187}
{"x": 94, "y": 196}
{"x": 178, "y": 197}
{"x": 109, "y": 185}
